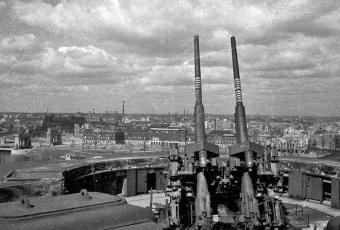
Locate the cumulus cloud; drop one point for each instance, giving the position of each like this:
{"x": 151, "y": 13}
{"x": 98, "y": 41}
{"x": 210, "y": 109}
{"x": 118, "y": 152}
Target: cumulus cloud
{"x": 82, "y": 58}
{"x": 71, "y": 65}
{"x": 145, "y": 49}
{"x": 2, "y": 5}
{"x": 17, "y": 42}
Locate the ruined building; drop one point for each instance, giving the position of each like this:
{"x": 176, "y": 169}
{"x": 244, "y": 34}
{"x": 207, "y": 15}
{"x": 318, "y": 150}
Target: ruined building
{"x": 22, "y": 139}
{"x": 54, "y": 136}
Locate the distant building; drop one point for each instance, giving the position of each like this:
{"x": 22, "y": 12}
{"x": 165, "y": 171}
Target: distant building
{"x": 185, "y": 124}
{"x": 263, "y": 127}
{"x": 219, "y": 124}
{"x": 31, "y": 121}
{"x": 137, "y": 136}
{"x": 63, "y": 121}
{"x": 294, "y": 141}
{"x": 99, "y": 120}
{"x": 167, "y": 136}
{"x": 22, "y": 140}
{"x": 223, "y": 138}
{"x": 291, "y": 146}
{"x": 262, "y": 138}
{"x": 337, "y": 141}
{"x": 53, "y": 136}
{"x": 76, "y": 132}
{"x": 103, "y": 136}
{"x": 324, "y": 140}
{"x": 17, "y": 140}
{"x": 111, "y": 136}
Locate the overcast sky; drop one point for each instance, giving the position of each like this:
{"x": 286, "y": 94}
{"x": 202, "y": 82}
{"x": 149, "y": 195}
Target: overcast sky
{"x": 71, "y": 55}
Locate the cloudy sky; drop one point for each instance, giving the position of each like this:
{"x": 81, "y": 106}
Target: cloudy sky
{"x": 74, "y": 55}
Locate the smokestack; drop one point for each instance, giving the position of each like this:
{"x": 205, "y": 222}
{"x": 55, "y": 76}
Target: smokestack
{"x": 123, "y": 111}
{"x": 240, "y": 113}
{"x": 92, "y": 110}
{"x": 199, "y": 109}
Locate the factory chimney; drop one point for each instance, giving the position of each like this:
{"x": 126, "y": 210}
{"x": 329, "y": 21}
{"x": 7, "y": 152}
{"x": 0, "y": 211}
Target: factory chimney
{"x": 123, "y": 111}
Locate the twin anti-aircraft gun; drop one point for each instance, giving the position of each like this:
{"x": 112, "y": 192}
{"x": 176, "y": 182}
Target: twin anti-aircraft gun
{"x": 206, "y": 191}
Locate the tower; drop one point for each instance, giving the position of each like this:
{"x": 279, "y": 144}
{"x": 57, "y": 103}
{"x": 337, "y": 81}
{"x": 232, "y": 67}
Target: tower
{"x": 123, "y": 110}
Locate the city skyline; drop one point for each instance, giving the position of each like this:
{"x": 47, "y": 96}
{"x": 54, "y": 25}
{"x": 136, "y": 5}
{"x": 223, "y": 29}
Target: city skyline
{"x": 71, "y": 56}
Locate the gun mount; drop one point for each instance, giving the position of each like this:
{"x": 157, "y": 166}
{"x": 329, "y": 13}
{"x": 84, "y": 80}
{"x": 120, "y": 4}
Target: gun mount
{"x": 190, "y": 176}
{"x": 258, "y": 205}
{"x": 207, "y": 192}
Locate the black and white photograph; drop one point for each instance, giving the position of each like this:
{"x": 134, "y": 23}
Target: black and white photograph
{"x": 169, "y": 115}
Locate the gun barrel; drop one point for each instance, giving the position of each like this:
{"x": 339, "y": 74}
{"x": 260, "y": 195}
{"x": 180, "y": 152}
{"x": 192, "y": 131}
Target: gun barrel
{"x": 202, "y": 203}
{"x": 199, "y": 109}
{"x": 240, "y": 113}
{"x": 237, "y": 80}
{"x": 198, "y": 87}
